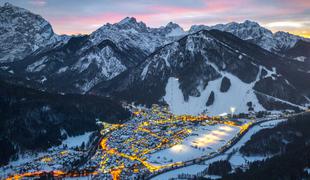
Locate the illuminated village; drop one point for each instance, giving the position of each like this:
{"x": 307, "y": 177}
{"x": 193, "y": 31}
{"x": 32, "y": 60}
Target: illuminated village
{"x": 152, "y": 141}
{"x": 128, "y": 150}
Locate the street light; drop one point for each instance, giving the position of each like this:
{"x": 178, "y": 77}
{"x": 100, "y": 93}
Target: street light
{"x": 232, "y": 110}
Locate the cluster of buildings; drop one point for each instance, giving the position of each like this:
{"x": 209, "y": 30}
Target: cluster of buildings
{"x": 55, "y": 159}
{"x": 125, "y": 149}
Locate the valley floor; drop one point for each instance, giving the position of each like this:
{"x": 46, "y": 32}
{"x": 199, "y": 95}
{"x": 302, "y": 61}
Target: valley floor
{"x": 153, "y": 142}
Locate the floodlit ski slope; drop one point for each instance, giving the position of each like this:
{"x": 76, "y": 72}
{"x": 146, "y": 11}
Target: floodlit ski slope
{"x": 237, "y": 96}
{"x": 236, "y": 160}
{"x": 204, "y": 140}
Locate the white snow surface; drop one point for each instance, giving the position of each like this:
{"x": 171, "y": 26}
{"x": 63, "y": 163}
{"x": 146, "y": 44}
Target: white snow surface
{"x": 207, "y": 138}
{"x": 194, "y": 169}
{"x": 77, "y": 140}
{"x": 300, "y": 58}
{"x": 63, "y": 69}
{"x": 237, "y": 96}
{"x": 176, "y": 32}
{"x": 37, "y": 66}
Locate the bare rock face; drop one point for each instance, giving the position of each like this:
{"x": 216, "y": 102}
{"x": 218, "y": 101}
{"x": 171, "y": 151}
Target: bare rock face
{"x": 22, "y": 32}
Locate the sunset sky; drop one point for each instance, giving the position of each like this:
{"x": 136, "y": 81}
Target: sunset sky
{"x": 84, "y": 16}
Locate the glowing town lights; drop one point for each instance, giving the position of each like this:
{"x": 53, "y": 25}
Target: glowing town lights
{"x": 116, "y": 173}
{"x": 232, "y": 110}
{"x": 152, "y": 130}
{"x": 178, "y": 148}
{"x": 219, "y": 133}
{"x": 46, "y": 159}
{"x": 226, "y": 128}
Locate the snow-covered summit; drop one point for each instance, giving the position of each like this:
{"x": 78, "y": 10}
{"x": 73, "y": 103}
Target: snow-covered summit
{"x": 285, "y": 40}
{"x": 22, "y": 32}
{"x": 131, "y": 24}
{"x": 172, "y": 30}
{"x": 137, "y": 34}
{"x": 255, "y": 33}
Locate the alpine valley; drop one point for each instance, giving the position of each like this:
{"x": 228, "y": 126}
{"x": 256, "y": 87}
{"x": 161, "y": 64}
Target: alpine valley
{"x": 53, "y": 87}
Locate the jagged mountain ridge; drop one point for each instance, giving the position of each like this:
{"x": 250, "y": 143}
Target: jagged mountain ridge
{"x": 22, "y": 32}
{"x": 101, "y": 56}
{"x": 116, "y": 49}
{"x": 202, "y": 59}
{"x": 253, "y": 32}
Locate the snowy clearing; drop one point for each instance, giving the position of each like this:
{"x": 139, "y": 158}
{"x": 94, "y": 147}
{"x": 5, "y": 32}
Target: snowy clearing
{"x": 203, "y": 141}
{"x": 195, "y": 169}
{"x": 237, "y": 96}
{"x": 77, "y": 140}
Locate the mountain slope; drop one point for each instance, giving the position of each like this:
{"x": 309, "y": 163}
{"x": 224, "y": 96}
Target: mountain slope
{"x": 22, "y": 32}
{"x": 36, "y": 120}
{"x": 84, "y": 61}
{"x": 199, "y": 62}
{"x": 253, "y": 32}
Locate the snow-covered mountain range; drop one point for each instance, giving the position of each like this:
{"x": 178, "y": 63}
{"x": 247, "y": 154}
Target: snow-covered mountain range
{"x": 212, "y": 71}
{"x": 253, "y": 32}
{"x": 243, "y": 62}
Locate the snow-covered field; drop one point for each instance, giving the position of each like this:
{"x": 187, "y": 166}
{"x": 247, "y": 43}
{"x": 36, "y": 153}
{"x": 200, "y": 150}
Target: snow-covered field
{"x": 236, "y": 160}
{"x": 77, "y": 140}
{"x": 237, "y": 96}
{"x": 203, "y": 141}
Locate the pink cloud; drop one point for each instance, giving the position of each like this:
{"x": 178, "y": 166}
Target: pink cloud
{"x": 157, "y": 14}
{"x": 83, "y": 24}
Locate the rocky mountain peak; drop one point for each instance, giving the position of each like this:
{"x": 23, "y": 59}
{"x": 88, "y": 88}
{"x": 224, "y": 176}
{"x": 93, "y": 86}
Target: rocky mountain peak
{"x": 22, "y": 32}
{"x": 7, "y": 4}
{"x": 10, "y": 7}
{"x": 172, "y": 30}
{"x": 131, "y": 24}
{"x": 130, "y": 20}
{"x": 250, "y": 23}
{"x": 173, "y": 25}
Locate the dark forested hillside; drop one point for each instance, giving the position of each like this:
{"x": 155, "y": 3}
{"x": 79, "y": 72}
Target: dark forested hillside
{"x": 33, "y": 120}
{"x": 290, "y": 140}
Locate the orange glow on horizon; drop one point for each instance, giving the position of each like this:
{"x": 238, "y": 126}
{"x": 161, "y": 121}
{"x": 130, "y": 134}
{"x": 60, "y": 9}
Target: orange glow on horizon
{"x": 305, "y": 35}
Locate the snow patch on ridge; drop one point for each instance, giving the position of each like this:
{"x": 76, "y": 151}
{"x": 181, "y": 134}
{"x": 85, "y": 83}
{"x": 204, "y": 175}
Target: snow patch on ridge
{"x": 237, "y": 96}
{"x": 300, "y": 58}
{"x": 37, "y": 66}
{"x": 176, "y": 32}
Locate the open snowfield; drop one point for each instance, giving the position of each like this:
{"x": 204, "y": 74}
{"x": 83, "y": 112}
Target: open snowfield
{"x": 237, "y": 96}
{"x": 74, "y": 141}
{"x": 236, "y": 160}
{"x": 203, "y": 141}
